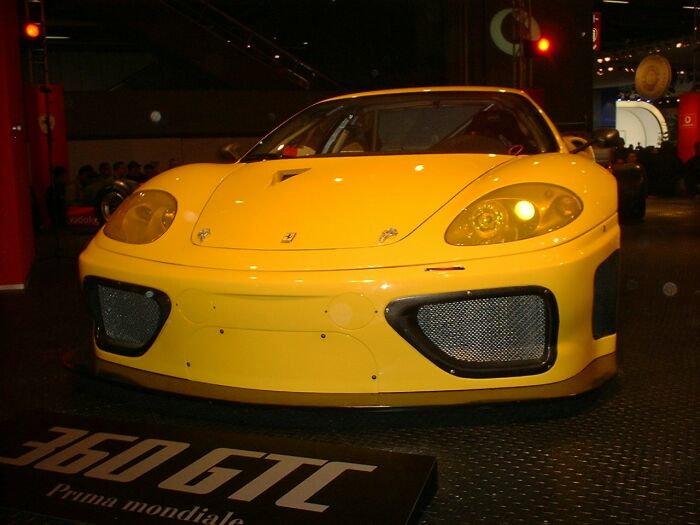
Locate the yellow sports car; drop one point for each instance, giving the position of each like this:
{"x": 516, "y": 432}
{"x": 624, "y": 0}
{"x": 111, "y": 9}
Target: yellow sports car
{"x": 392, "y": 248}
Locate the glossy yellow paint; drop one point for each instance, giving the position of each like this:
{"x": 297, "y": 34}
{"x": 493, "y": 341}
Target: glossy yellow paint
{"x": 420, "y": 243}
{"x": 321, "y": 201}
{"x": 255, "y": 313}
{"x": 591, "y": 377}
{"x": 278, "y": 331}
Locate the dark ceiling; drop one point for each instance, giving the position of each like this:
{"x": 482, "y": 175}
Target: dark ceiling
{"x": 644, "y": 21}
{"x": 633, "y": 22}
{"x": 317, "y": 32}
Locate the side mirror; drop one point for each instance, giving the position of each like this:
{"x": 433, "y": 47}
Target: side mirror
{"x": 604, "y": 137}
{"x": 231, "y": 152}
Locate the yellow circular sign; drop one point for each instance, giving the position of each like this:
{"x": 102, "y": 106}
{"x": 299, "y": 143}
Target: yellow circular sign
{"x": 653, "y": 77}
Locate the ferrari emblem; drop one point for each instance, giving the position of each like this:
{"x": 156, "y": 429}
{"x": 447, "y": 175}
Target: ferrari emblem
{"x": 289, "y": 237}
{"x": 203, "y": 234}
{"x": 387, "y": 234}
{"x": 45, "y": 121}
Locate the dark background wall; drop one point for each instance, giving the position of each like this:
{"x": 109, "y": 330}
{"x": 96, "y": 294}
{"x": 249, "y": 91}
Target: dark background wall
{"x": 136, "y": 57}
{"x": 196, "y": 113}
{"x": 564, "y": 77}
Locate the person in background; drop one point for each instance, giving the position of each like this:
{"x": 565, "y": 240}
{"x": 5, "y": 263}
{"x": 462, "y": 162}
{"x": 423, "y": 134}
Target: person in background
{"x": 119, "y": 170}
{"x": 105, "y": 171}
{"x": 692, "y": 173}
{"x": 632, "y": 159}
{"x": 56, "y": 196}
{"x": 149, "y": 171}
{"x": 666, "y": 170}
{"x": 89, "y": 193}
{"x": 134, "y": 172}
{"x": 86, "y": 174}
{"x": 75, "y": 189}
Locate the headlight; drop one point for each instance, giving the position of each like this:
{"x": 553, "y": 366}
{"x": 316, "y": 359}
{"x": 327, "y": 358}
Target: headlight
{"x": 143, "y": 217}
{"x": 513, "y": 213}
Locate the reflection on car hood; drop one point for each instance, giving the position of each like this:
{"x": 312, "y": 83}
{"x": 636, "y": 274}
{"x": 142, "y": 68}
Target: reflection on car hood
{"x": 304, "y": 204}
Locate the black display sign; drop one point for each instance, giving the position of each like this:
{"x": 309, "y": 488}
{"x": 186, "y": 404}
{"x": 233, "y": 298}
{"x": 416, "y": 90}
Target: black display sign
{"x": 104, "y": 471}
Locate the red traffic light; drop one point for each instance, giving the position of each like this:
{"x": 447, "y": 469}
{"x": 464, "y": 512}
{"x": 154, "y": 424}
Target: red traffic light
{"x": 31, "y": 30}
{"x": 543, "y": 46}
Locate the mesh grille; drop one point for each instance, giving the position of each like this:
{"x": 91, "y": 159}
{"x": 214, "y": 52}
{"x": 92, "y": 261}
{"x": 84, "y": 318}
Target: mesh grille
{"x": 130, "y": 319}
{"x": 487, "y": 330}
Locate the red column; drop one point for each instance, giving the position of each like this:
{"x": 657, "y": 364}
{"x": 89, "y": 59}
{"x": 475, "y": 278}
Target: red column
{"x": 38, "y": 99}
{"x": 688, "y": 125}
{"x": 16, "y": 234}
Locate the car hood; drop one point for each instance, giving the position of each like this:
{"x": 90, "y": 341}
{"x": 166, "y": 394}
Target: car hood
{"x": 329, "y": 203}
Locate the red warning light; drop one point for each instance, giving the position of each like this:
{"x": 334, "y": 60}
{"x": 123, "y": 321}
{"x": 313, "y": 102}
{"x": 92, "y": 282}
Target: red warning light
{"x": 543, "y": 45}
{"x": 32, "y": 30}
{"x": 540, "y": 48}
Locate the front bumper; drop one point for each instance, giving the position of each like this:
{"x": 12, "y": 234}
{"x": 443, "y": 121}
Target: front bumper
{"x": 324, "y": 338}
{"x": 595, "y": 374}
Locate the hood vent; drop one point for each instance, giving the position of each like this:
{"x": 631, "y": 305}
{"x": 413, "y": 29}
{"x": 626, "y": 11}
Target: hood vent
{"x": 284, "y": 175}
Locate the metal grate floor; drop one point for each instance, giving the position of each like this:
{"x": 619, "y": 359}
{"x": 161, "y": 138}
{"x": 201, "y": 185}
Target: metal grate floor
{"x": 626, "y": 453}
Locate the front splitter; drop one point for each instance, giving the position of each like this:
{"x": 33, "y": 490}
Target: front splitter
{"x": 595, "y": 374}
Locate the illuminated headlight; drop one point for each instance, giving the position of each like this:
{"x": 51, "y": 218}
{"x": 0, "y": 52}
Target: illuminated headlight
{"x": 143, "y": 217}
{"x": 513, "y": 213}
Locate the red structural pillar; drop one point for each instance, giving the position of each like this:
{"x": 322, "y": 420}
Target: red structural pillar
{"x": 48, "y": 148}
{"x": 16, "y": 234}
{"x": 688, "y": 125}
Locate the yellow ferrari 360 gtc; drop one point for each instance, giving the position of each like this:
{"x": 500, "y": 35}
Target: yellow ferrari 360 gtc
{"x": 394, "y": 248}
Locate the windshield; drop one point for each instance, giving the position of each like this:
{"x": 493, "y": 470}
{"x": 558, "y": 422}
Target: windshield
{"x": 431, "y": 122}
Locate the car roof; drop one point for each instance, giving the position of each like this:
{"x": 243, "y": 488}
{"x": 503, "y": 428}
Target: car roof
{"x": 432, "y": 89}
